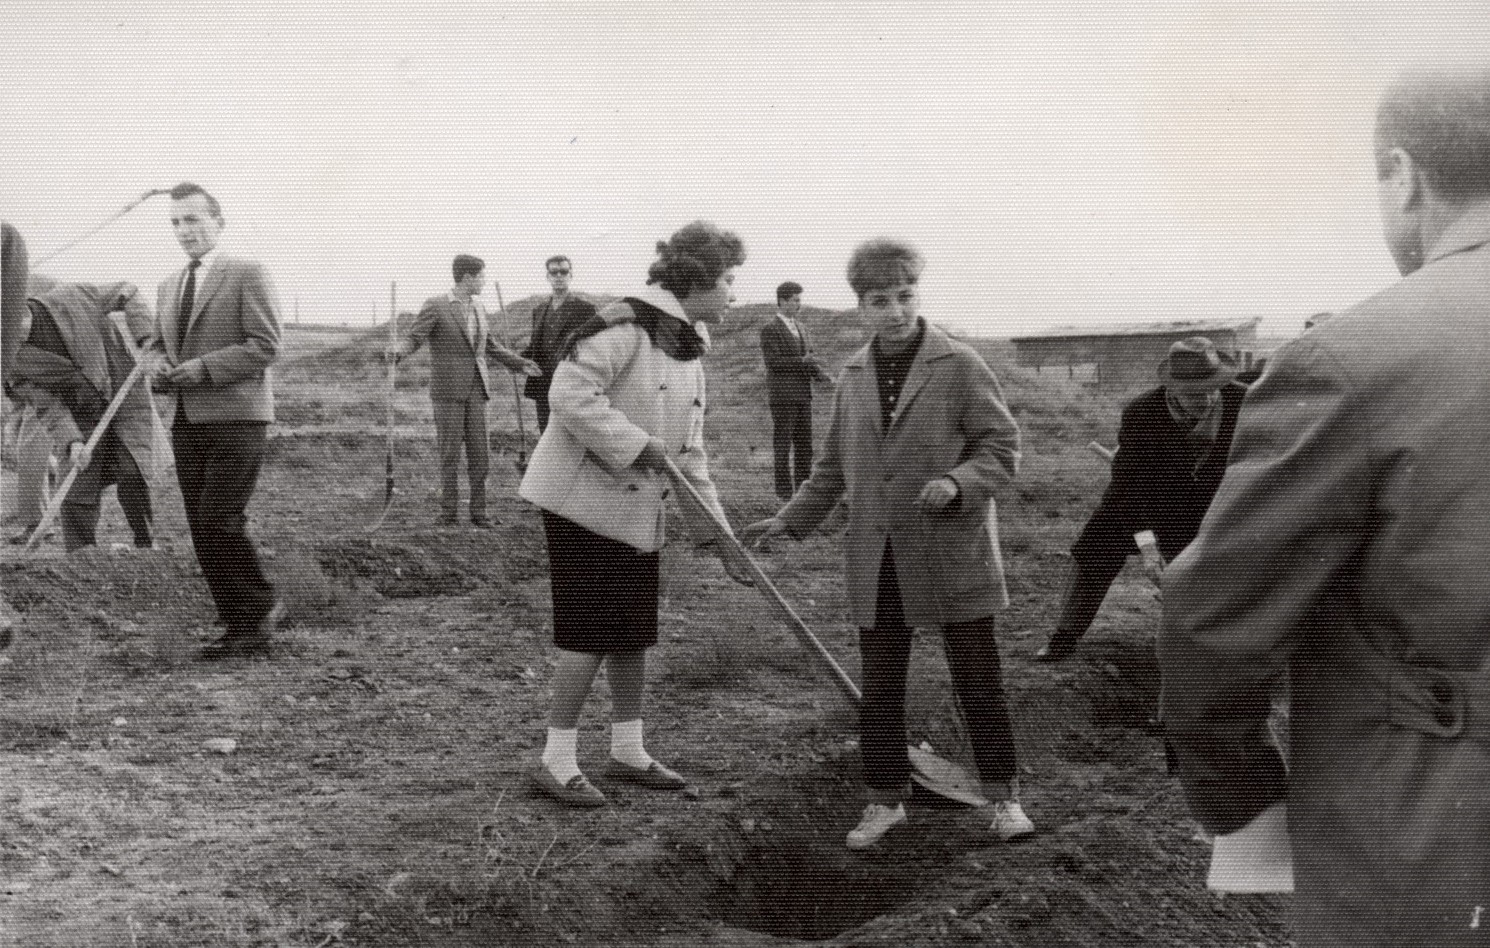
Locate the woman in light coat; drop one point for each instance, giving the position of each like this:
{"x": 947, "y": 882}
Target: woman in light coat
{"x": 628, "y": 396}
{"x": 919, "y": 441}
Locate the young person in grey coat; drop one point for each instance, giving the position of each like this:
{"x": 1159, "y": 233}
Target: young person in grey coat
{"x": 919, "y": 443}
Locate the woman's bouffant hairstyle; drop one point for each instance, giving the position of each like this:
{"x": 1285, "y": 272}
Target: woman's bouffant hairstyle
{"x": 694, "y": 258}
{"x": 883, "y": 263}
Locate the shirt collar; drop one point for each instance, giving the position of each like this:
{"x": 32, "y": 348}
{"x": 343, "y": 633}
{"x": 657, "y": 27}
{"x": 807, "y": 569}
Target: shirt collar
{"x": 206, "y": 259}
{"x": 1471, "y": 229}
{"x": 654, "y": 295}
{"x": 907, "y": 354}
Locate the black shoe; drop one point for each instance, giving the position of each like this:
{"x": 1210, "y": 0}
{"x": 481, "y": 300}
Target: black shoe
{"x": 483, "y": 523}
{"x": 1060, "y": 647}
{"x": 231, "y": 647}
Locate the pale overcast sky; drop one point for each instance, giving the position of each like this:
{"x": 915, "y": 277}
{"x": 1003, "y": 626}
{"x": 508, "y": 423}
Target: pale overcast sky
{"x": 1058, "y": 162}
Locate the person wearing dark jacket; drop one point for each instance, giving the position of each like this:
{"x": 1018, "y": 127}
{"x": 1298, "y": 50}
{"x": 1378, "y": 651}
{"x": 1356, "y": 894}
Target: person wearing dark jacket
{"x": 791, "y": 368}
{"x": 553, "y": 321}
{"x": 1172, "y": 447}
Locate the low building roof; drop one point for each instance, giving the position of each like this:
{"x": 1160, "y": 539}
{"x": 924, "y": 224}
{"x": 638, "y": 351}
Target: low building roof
{"x": 1196, "y": 327}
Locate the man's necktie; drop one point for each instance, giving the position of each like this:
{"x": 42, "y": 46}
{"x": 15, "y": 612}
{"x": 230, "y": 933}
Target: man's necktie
{"x": 471, "y": 323}
{"x": 188, "y": 298}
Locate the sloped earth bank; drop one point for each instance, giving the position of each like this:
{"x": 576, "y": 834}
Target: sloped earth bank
{"x": 375, "y": 793}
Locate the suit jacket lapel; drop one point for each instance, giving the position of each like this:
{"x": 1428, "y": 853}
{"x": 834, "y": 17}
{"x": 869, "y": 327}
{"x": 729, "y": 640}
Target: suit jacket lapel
{"x": 457, "y": 313}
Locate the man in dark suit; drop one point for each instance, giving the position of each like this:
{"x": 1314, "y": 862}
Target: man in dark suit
{"x": 790, "y": 371}
{"x": 553, "y": 320}
{"x": 217, "y": 330}
{"x": 1172, "y": 447}
{"x": 460, "y": 341}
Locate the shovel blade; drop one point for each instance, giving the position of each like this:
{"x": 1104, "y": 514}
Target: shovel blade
{"x": 945, "y": 779}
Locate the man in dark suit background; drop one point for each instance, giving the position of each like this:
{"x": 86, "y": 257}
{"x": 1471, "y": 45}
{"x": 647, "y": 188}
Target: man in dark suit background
{"x": 790, "y": 371}
{"x": 455, "y": 326}
{"x": 1172, "y": 447}
{"x": 553, "y": 321}
{"x": 217, "y": 330}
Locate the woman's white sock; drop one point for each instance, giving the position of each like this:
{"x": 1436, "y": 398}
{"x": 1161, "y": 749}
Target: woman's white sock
{"x": 559, "y": 753}
{"x": 626, "y": 744}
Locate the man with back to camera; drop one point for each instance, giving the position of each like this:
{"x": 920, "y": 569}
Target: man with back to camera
{"x": 791, "y": 368}
{"x": 460, "y": 341}
{"x": 1172, "y": 446}
{"x": 1346, "y": 548}
{"x": 217, "y": 331}
{"x": 553, "y": 320}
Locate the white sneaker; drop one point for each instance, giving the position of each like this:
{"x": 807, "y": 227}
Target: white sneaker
{"x": 1009, "y": 821}
{"x": 875, "y": 822}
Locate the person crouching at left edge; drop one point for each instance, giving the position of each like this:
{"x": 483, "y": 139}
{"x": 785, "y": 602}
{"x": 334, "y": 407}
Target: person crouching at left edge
{"x": 628, "y": 396}
{"x": 919, "y": 441}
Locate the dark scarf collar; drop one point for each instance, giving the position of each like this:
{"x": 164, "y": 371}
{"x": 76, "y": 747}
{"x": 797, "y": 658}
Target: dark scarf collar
{"x": 659, "y": 314}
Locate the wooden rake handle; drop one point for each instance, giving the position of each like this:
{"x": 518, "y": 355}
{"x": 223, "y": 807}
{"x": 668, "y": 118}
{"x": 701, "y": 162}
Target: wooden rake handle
{"x": 762, "y": 582}
{"x": 99, "y": 431}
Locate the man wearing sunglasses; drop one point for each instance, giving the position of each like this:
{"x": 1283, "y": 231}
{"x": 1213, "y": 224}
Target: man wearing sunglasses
{"x": 553, "y": 321}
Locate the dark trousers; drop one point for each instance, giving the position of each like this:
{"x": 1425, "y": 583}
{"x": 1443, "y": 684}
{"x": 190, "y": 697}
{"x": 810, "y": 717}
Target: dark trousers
{"x": 217, "y": 466}
{"x": 542, "y": 405}
{"x": 112, "y": 464}
{"x": 792, "y": 436}
{"x": 1086, "y": 587}
{"x": 972, "y": 656}
{"x": 462, "y": 425}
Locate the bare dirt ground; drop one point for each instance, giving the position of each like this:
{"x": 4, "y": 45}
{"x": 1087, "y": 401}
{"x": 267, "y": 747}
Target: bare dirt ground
{"x": 374, "y": 790}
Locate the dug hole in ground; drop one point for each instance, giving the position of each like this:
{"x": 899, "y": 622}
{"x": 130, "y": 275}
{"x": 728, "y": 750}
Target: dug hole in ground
{"x": 367, "y": 786}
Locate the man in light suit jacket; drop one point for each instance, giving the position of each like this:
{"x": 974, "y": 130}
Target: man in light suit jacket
{"x": 790, "y": 371}
{"x": 216, "y": 333}
{"x": 553, "y": 320}
{"x": 1346, "y": 550}
{"x": 455, "y": 326}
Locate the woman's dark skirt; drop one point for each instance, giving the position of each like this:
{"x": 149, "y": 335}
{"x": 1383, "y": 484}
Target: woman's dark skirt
{"x": 604, "y": 591}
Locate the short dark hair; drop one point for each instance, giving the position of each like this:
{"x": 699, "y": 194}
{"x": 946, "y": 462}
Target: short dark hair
{"x": 882, "y": 263}
{"x": 1441, "y": 117}
{"x": 787, "y": 290}
{"x": 466, "y": 265}
{"x": 559, "y": 258}
{"x": 694, "y": 258}
{"x": 186, "y": 189}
